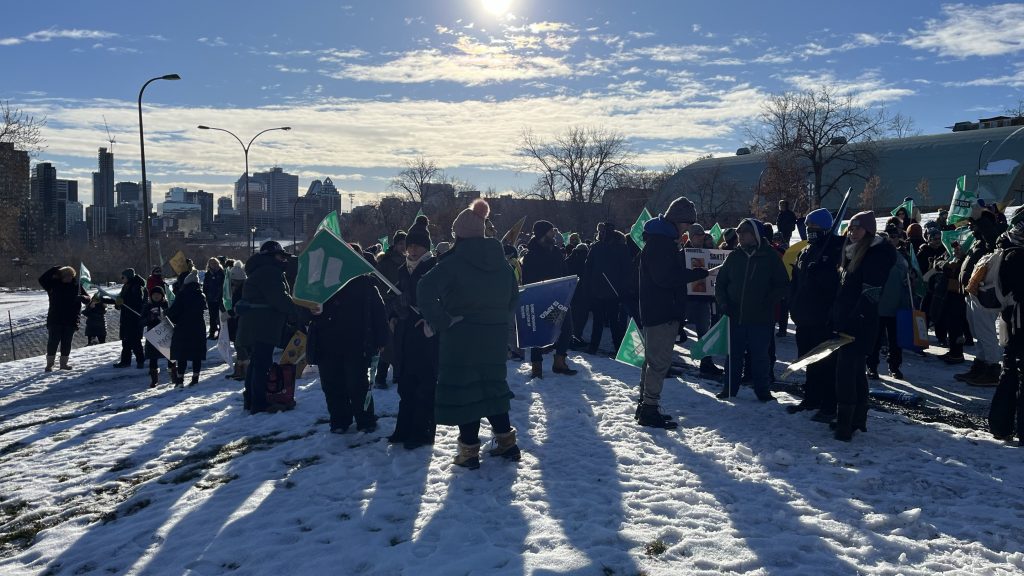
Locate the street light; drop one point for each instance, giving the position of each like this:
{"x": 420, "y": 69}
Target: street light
{"x": 252, "y": 239}
{"x": 245, "y": 150}
{"x": 142, "y": 153}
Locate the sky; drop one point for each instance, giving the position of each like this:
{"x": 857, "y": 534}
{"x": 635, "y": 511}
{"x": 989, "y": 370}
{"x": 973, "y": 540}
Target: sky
{"x": 369, "y": 86}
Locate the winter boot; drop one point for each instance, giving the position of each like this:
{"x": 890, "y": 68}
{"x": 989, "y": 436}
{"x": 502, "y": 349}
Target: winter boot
{"x": 173, "y": 369}
{"x": 560, "y": 366}
{"x": 872, "y": 372}
{"x": 125, "y": 361}
{"x": 234, "y": 371}
{"x": 505, "y": 446}
{"x": 824, "y": 415}
{"x": 651, "y": 417}
{"x": 49, "y": 363}
{"x": 243, "y": 367}
{"x": 195, "y": 378}
{"x": 803, "y": 405}
{"x": 640, "y": 407}
{"x": 987, "y": 377}
{"x": 955, "y": 354}
{"x": 976, "y": 368}
{"x": 468, "y": 456}
{"x": 154, "y": 377}
{"x": 708, "y": 368}
{"x": 537, "y": 370}
{"x": 860, "y": 418}
{"x": 895, "y": 373}
{"x": 844, "y": 422}
{"x": 64, "y": 363}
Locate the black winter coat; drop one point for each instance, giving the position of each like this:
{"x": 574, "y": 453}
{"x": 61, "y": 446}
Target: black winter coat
{"x": 151, "y": 314}
{"x": 608, "y": 269}
{"x": 133, "y": 295}
{"x": 815, "y": 282}
{"x": 66, "y": 300}
{"x": 213, "y": 288}
{"x": 855, "y": 311}
{"x": 353, "y": 323}
{"x": 928, "y": 255}
{"x": 576, "y": 263}
{"x": 786, "y": 223}
{"x": 188, "y": 316}
{"x": 266, "y": 292}
{"x": 542, "y": 263}
{"x": 96, "y": 319}
{"x": 663, "y": 280}
{"x": 415, "y": 354}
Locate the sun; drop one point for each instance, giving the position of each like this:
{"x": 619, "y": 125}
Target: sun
{"x": 497, "y": 7}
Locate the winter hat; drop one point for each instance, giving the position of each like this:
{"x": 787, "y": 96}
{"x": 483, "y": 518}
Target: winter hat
{"x": 756, "y": 227}
{"x": 932, "y": 232}
{"x": 729, "y": 234}
{"x": 681, "y": 211}
{"x": 442, "y": 247}
{"x": 470, "y": 222}
{"x": 821, "y": 218}
{"x": 157, "y": 290}
{"x": 541, "y": 228}
{"x": 915, "y": 231}
{"x": 400, "y": 236}
{"x": 238, "y": 272}
{"x": 271, "y": 247}
{"x": 697, "y": 229}
{"x": 157, "y": 270}
{"x": 865, "y": 220}
{"x": 128, "y": 273}
{"x": 418, "y": 233}
{"x": 192, "y": 278}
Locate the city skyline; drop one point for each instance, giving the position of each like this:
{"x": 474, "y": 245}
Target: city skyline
{"x": 368, "y": 87}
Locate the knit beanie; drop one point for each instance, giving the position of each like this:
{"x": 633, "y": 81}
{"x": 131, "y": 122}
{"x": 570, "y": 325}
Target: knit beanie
{"x": 696, "y": 229}
{"x": 271, "y": 247}
{"x": 156, "y": 290}
{"x": 729, "y": 234}
{"x": 470, "y": 222}
{"x": 821, "y": 218}
{"x": 865, "y": 220}
{"x": 401, "y": 236}
{"x": 681, "y": 211}
{"x": 238, "y": 272}
{"x": 541, "y": 228}
{"x": 418, "y": 233}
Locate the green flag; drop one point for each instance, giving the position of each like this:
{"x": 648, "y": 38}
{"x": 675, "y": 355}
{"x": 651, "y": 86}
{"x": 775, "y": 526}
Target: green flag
{"x": 331, "y": 223}
{"x": 84, "y": 276}
{"x": 716, "y": 234}
{"x": 843, "y": 226}
{"x": 326, "y": 266}
{"x": 226, "y": 299}
{"x": 963, "y": 235}
{"x": 419, "y": 213}
{"x": 714, "y": 343}
{"x": 913, "y": 260}
{"x": 565, "y": 238}
{"x": 963, "y": 201}
{"x": 385, "y": 243}
{"x": 631, "y": 351}
{"x": 637, "y": 231}
{"x": 908, "y": 206}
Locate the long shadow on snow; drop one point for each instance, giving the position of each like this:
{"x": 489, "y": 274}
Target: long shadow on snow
{"x": 584, "y": 494}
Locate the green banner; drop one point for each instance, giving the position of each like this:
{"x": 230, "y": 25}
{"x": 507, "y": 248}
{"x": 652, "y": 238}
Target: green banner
{"x": 331, "y": 224}
{"x": 631, "y": 351}
{"x": 326, "y": 266}
{"x": 716, "y": 234}
{"x": 963, "y": 235}
{"x": 714, "y": 343}
{"x": 565, "y": 238}
{"x": 385, "y": 243}
{"x": 963, "y": 201}
{"x": 226, "y": 298}
{"x": 637, "y": 231}
{"x": 84, "y": 276}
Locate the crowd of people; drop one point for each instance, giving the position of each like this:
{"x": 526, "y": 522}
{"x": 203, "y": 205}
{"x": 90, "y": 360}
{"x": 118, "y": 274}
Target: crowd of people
{"x": 447, "y": 334}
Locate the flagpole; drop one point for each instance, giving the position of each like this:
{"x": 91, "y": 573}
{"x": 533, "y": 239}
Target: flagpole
{"x": 728, "y": 342}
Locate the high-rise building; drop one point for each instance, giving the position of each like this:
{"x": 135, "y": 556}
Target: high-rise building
{"x": 224, "y": 205}
{"x": 74, "y": 214}
{"x": 282, "y": 190}
{"x": 127, "y": 192}
{"x": 68, "y": 189}
{"x": 103, "y": 180}
{"x": 50, "y": 201}
{"x": 96, "y": 220}
{"x": 16, "y": 231}
{"x": 205, "y": 201}
{"x": 128, "y": 218}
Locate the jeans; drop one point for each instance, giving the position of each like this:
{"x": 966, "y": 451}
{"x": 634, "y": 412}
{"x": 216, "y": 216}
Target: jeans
{"x": 983, "y": 326}
{"x": 887, "y": 330}
{"x": 59, "y": 336}
{"x": 261, "y": 356}
{"x": 755, "y": 339}
{"x": 561, "y": 345}
{"x": 345, "y": 381}
{"x": 469, "y": 433}
{"x": 659, "y": 342}
{"x": 819, "y": 385}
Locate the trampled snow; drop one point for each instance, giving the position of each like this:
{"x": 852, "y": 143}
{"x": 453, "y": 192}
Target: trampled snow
{"x": 102, "y": 475}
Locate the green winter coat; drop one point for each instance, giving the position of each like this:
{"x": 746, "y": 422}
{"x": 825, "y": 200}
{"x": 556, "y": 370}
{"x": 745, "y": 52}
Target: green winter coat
{"x": 268, "y": 303}
{"x": 749, "y": 286}
{"x": 895, "y": 295}
{"x": 474, "y": 281}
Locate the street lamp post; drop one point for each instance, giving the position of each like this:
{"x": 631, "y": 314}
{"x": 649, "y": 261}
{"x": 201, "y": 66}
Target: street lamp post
{"x": 145, "y": 189}
{"x": 252, "y": 239}
{"x": 245, "y": 150}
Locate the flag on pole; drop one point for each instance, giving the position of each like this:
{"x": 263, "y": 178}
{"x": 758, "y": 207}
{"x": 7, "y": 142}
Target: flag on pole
{"x": 330, "y": 223}
{"x": 714, "y": 343}
{"x": 631, "y": 351}
{"x": 226, "y": 298}
{"x": 326, "y": 266}
{"x": 512, "y": 236}
{"x": 84, "y": 276}
{"x": 838, "y": 225}
{"x": 716, "y": 234}
{"x": 963, "y": 201}
{"x": 419, "y": 213}
{"x": 637, "y": 231}
{"x": 385, "y": 243}
{"x": 565, "y": 238}
{"x": 907, "y": 205}
{"x": 962, "y": 235}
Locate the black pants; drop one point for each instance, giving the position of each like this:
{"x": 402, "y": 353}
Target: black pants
{"x": 851, "y": 380}
{"x": 214, "y": 308}
{"x": 1008, "y": 400}
{"x": 59, "y": 336}
{"x": 561, "y": 345}
{"x": 606, "y": 313}
{"x": 469, "y": 433}
{"x": 955, "y": 315}
{"x": 783, "y": 315}
{"x": 579, "y": 309}
{"x": 887, "y": 333}
{"x": 819, "y": 386}
{"x": 197, "y": 366}
{"x": 261, "y": 356}
{"x": 415, "y": 420}
{"x": 345, "y": 381}
{"x": 131, "y": 346}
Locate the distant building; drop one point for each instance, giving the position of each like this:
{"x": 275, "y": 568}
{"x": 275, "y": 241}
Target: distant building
{"x": 50, "y": 200}
{"x": 74, "y": 213}
{"x": 16, "y": 231}
{"x": 103, "y": 183}
{"x": 205, "y": 201}
{"x": 282, "y": 189}
{"x": 96, "y": 220}
{"x": 224, "y": 205}
{"x": 128, "y": 192}
{"x": 128, "y": 219}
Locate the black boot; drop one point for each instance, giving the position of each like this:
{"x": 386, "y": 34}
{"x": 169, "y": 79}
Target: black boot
{"x": 860, "y": 418}
{"x": 805, "y": 404}
{"x": 126, "y": 360}
{"x": 652, "y": 418}
{"x": 640, "y": 407}
{"x": 154, "y": 377}
{"x": 708, "y": 368}
{"x": 844, "y": 422}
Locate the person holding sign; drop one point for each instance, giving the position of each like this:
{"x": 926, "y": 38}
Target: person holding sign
{"x": 152, "y": 312}
{"x": 544, "y": 261}
{"x": 267, "y": 305}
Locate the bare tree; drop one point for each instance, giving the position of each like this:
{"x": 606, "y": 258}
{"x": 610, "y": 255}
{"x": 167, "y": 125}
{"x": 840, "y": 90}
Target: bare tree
{"x": 416, "y": 173}
{"x": 1016, "y": 111}
{"x": 784, "y": 178}
{"x": 923, "y": 189}
{"x": 869, "y": 194}
{"x": 576, "y": 165}
{"x": 21, "y": 129}
{"x": 902, "y": 126}
{"x": 715, "y": 196}
{"x": 642, "y": 178}
{"x": 826, "y": 129}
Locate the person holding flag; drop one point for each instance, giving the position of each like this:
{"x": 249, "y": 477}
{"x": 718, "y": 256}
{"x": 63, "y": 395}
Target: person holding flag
{"x": 662, "y": 285}
{"x": 130, "y": 302}
{"x": 63, "y": 317}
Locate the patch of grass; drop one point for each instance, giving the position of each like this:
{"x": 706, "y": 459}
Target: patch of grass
{"x": 214, "y": 480}
{"x": 12, "y": 447}
{"x": 655, "y": 548}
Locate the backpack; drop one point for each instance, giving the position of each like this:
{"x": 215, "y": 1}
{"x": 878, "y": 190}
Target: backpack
{"x": 985, "y": 284}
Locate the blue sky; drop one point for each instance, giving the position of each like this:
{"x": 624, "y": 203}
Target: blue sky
{"x": 367, "y": 86}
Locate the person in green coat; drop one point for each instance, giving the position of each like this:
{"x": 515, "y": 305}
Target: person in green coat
{"x": 751, "y": 282}
{"x": 467, "y": 299}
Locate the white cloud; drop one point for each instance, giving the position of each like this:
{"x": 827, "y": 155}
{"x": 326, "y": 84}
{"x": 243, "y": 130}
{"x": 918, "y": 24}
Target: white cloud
{"x": 965, "y": 31}
{"x": 679, "y": 53}
{"x": 283, "y": 68}
{"x": 541, "y": 27}
{"x": 58, "y": 33}
{"x": 866, "y": 90}
{"x": 642, "y": 35}
{"x": 1014, "y": 80}
{"x": 216, "y": 42}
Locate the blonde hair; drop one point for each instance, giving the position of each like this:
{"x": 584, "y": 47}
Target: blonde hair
{"x": 860, "y": 249}
{"x": 214, "y": 264}
{"x": 67, "y": 272}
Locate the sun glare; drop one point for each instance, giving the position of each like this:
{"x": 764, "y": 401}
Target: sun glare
{"x": 497, "y": 7}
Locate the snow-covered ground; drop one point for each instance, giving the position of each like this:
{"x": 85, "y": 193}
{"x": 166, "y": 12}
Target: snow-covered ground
{"x": 26, "y": 307}
{"x": 101, "y": 475}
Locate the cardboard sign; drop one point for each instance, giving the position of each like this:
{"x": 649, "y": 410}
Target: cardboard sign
{"x": 707, "y": 258}
{"x": 160, "y": 336}
{"x": 295, "y": 353}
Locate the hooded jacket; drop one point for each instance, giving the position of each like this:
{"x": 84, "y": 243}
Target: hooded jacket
{"x": 608, "y": 268}
{"x": 750, "y": 284}
{"x": 266, "y": 293}
{"x": 815, "y": 282}
{"x": 663, "y": 275}
{"x": 542, "y": 262}
{"x": 66, "y": 299}
{"x": 855, "y": 310}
